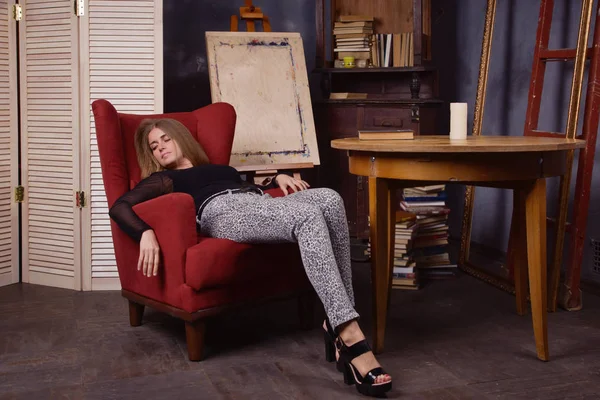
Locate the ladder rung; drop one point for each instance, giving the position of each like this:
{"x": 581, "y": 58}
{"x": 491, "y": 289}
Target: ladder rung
{"x": 552, "y": 222}
{"x": 545, "y": 134}
{"x": 561, "y": 54}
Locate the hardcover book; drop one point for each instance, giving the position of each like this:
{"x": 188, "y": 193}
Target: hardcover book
{"x": 385, "y": 134}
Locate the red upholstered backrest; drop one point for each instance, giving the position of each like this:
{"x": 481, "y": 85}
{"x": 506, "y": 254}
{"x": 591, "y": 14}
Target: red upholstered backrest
{"x": 213, "y": 126}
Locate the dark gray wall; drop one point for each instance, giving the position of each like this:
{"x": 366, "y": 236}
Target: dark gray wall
{"x": 457, "y": 33}
{"x": 185, "y": 21}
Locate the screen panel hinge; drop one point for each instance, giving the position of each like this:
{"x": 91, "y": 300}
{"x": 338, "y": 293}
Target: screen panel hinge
{"x": 17, "y": 12}
{"x": 19, "y": 194}
{"x": 80, "y": 199}
{"x": 79, "y": 6}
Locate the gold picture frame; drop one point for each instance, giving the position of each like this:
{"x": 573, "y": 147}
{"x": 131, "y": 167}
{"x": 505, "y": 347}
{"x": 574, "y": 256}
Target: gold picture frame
{"x": 570, "y": 133}
{"x": 467, "y": 219}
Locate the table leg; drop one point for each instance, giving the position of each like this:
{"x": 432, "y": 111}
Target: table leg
{"x": 381, "y": 212}
{"x": 518, "y": 251}
{"x": 535, "y": 216}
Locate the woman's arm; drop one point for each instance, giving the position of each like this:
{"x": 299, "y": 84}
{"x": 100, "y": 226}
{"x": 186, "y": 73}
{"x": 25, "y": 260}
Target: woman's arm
{"x": 286, "y": 182}
{"x": 270, "y": 183}
{"x": 122, "y": 210}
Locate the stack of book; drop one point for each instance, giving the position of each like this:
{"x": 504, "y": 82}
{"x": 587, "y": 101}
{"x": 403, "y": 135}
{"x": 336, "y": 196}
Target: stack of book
{"x": 392, "y": 49}
{"x": 404, "y": 274}
{"x": 430, "y": 246}
{"x": 352, "y": 34}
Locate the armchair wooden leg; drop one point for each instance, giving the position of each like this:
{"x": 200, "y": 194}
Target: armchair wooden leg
{"x": 136, "y": 312}
{"x": 194, "y": 333}
{"x": 306, "y": 310}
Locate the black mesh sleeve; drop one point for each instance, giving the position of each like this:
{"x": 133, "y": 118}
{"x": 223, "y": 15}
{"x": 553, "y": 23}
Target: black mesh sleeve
{"x": 122, "y": 210}
{"x": 272, "y": 184}
{"x": 269, "y": 184}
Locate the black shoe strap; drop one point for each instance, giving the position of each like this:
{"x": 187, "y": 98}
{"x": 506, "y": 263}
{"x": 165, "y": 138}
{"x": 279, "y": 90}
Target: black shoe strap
{"x": 355, "y": 350}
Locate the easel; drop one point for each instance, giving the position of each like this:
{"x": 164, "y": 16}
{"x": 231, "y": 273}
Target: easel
{"x": 249, "y": 13}
{"x": 262, "y": 174}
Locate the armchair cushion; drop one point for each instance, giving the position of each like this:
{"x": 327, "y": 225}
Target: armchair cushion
{"x": 275, "y": 192}
{"x": 220, "y": 262}
{"x": 214, "y": 263}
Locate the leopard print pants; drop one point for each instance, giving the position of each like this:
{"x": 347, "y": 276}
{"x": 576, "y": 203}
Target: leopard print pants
{"x": 314, "y": 218}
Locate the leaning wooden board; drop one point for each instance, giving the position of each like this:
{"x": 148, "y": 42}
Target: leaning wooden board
{"x": 263, "y": 75}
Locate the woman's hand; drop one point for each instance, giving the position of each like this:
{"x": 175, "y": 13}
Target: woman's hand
{"x": 149, "y": 254}
{"x": 284, "y": 181}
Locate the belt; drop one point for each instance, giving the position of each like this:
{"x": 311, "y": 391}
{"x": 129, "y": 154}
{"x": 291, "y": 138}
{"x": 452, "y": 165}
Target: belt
{"x": 243, "y": 189}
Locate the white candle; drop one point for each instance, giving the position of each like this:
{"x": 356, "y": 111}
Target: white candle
{"x": 458, "y": 121}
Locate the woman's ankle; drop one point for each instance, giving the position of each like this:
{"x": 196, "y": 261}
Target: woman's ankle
{"x": 350, "y": 332}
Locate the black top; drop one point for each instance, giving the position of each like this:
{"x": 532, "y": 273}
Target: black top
{"x": 200, "y": 182}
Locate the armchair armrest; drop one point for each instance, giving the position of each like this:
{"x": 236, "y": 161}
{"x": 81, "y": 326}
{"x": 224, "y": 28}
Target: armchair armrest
{"x": 275, "y": 192}
{"x": 173, "y": 219}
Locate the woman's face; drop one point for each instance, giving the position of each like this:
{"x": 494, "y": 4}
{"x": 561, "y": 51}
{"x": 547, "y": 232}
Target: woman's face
{"x": 164, "y": 149}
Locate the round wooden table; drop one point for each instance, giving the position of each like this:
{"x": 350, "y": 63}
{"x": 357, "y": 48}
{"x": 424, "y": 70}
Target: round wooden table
{"x": 513, "y": 162}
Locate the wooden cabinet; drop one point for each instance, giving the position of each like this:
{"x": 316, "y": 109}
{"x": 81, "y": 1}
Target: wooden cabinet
{"x": 335, "y": 120}
{"x": 397, "y": 97}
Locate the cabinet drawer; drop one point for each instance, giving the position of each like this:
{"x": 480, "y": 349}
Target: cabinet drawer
{"x": 386, "y": 117}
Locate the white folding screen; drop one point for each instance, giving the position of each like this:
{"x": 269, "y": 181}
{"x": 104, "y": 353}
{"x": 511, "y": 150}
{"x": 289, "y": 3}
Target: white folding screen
{"x": 114, "y": 52}
{"x": 50, "y": 143}
{"x": 9, "y": 230}
{"x": 123, "y": 56}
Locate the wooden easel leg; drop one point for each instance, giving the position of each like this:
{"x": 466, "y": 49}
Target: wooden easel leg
{"x": 535, "y": 216}
{"x": 233, "y": 23}
{"x": 381, "y": 210}
{"x": 517, "y": 255}
{"x": 266, "y": 24}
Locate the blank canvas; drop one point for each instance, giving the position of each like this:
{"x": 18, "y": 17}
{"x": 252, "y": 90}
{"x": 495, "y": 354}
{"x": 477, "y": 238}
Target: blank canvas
{"x": 263, "y": 75}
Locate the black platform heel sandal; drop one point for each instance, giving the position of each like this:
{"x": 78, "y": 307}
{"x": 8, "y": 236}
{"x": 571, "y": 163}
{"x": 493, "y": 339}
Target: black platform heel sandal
{"x": 329, "y": 337}
{"x": 364, "y": 384}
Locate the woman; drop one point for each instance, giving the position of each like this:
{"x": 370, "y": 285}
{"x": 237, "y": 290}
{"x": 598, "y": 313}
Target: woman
{"x": 171, "y": 160}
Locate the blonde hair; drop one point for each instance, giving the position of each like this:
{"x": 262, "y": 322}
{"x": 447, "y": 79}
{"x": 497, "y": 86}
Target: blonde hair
{"x": 189, "y": 147}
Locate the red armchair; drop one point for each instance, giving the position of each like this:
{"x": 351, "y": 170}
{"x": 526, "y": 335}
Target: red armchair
{"x": 198, "y": 276}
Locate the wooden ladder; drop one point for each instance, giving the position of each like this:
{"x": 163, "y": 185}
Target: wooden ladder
{"x": 570, "y": 297}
